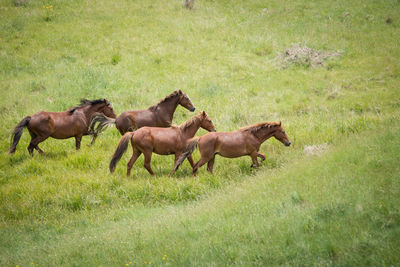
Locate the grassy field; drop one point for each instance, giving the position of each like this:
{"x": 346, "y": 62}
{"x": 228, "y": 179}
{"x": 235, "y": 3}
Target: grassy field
{"x": 336, "y": 208}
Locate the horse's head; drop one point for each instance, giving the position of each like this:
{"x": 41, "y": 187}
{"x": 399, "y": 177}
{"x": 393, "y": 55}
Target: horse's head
{"x": 206, "y": 122}
{"x": 185, "y": 102}
{"x": 280, "y": 134}
{"x": 108, "y": 109}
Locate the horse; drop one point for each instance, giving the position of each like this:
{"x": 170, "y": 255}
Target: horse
{"x": 60, "y": 125}
{"x": 243, "y": 142}
{"x": 162, "y": 141}
{"x": 158, "y": 115}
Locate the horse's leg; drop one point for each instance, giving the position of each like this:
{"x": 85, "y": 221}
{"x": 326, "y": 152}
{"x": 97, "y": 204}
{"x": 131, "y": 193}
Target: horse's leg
{"x": 175, "y": 162}
{"x": 35, "y": 142}
{"x": 135, "y": 155}
{"x": 200, "y": 163}
{"x": 147, "y": 160}
{"x": 261, "y": 156}
{"x": 121, "y": 131}
{"x": 78, "y": 140}
{"x": 210, "y": 165}
{"x": 190, "y": 159}
{"x": 39, "y": 150}
{"x": 30, "y": 146}
{"x": 254, "y": 159}
{"x": 93, "y": 139}
{"x": 39, "y": 141}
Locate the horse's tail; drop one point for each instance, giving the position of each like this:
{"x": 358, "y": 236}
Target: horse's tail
{"x": 121, "y": 149}
{"x": 190, "y": 147}
{"x": 17, "y": 132}
{"x": 103, "y": 122}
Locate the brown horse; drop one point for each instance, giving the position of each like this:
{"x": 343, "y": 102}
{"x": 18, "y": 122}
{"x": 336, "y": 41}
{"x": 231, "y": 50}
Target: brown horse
{"x": 162, "y": 141}
{"x": 60, "y": 125}
{"x": 159, "y": 115}
{"x": 245, "y": 141}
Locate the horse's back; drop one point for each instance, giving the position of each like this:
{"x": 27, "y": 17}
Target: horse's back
{"x": 134, "y": 119}
{"x": 227, "y": 144}
{"x": 59, "y": 125}
{"x": 158, "y": 133}
{"x": 163, "y": 141}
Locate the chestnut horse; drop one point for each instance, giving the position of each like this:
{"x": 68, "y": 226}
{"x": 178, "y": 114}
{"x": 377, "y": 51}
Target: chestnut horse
{"x": 159, "y": 115}
{"x": 162, "y": 141}
{"x": 243, "y": 142}
{"x": 60, "y": 125}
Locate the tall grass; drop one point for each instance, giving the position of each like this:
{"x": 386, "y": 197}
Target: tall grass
{"x": 340, "y": 208}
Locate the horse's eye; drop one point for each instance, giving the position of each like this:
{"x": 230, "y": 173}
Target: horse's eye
{"x": 283, "y": 132}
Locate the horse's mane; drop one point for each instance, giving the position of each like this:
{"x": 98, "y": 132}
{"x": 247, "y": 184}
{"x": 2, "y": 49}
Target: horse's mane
{"x": 168, "y": 97}
{"x": 258, "y": 126}
{"x": 84, "y": 103}
{"x": 188, "y": 123}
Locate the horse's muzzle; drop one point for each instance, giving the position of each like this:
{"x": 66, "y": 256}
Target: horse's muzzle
{"x": 192, "y": 109}
{"x": 287, "y": 143}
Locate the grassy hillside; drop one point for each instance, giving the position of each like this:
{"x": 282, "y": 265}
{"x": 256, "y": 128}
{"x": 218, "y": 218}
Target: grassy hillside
{"x": 65, "y": 208}
{"x": 339, "y": 209}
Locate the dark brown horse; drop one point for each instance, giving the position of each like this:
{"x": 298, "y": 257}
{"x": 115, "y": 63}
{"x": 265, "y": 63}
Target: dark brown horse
{"x": 243, "y": 142}
{"x": 60, "y": 125}
{"x": 162, "y": 141}
{"x": 159, "y": 115}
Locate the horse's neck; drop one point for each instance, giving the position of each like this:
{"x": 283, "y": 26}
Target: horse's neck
{"x": 166, "y": 109}
{"x": 191, "y": 130}
{"x": 263, "y": 135}
{"x": 89, "y": 111}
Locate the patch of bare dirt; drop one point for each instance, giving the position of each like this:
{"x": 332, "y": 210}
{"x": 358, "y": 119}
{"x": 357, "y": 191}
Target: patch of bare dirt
{"x": 302, "y": 55}
{"x": 315, "y": 150}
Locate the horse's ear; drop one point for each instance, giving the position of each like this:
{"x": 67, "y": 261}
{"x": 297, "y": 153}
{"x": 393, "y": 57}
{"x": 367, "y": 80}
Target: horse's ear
{"x": 180, "y": 91}
{"x": 280, "y": 123}
{"x": 106, "y": 102}
{"x": 203, "y": 113}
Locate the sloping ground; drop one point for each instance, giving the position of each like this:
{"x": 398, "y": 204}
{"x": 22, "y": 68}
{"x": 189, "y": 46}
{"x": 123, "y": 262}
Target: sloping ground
{"x": 340, "y": 208}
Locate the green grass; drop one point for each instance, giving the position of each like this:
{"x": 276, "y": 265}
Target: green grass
{"x": 65, "y": 208}
{"x": 338, "y": 209}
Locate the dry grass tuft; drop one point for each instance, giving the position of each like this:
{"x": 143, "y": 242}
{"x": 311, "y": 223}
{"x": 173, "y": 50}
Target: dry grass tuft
{"x": 305, "y": 56}
{"x": 315, "y": 150}
{"x": 20, "y": 2}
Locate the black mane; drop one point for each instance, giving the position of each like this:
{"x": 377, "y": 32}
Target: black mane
{"x": 86, "y": 102}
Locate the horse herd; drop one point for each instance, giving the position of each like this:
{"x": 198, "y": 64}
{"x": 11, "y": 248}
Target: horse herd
{"x": 149, "y": 131}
